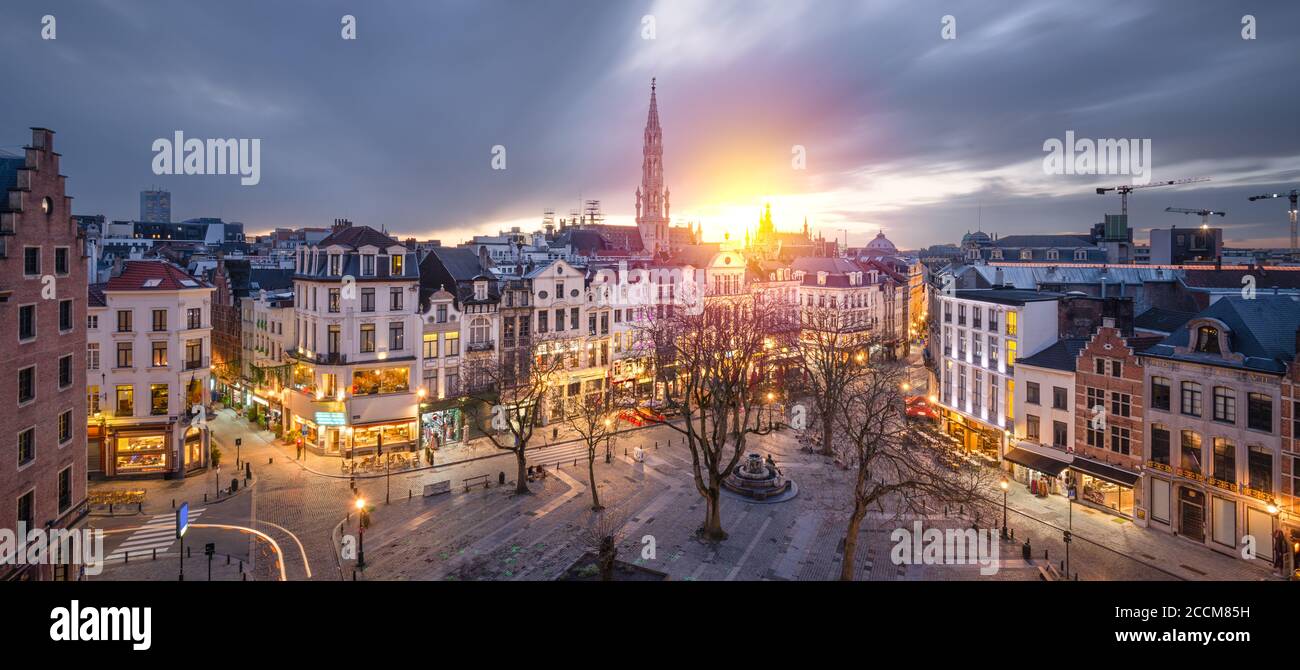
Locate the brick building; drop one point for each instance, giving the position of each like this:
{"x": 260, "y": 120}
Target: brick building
{"x": 43, "y": 371}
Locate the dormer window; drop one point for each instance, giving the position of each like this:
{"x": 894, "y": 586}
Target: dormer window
{"x": 1026, "y": 254}
{"x": 368, "y": 265}
{"x": 996, "y": 254}
{"x": 1080, "y": 254}
{"x": 335, "y": 264}
{"x": 480, "y": 290}
{"x": 1053, "y": 254}
{"x": 821, "y": 278}
{"x": 1207, "y": 340}
{"x": 395, "y": 265}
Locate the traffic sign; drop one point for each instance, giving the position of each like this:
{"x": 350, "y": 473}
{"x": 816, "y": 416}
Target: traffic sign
{"x": 182, "y": 519}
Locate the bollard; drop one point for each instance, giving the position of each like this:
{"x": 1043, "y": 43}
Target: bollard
{"x": 205, "y": 497}
{"x": 139, "y": 507}
{"x": 173, "y": 503}
{"x": 227, "y": 559}
{"x": 1063, "y": 568}
{"x": 110, "y": 509}
{"x": 155, "y": 553}
{"x": 126, "y": 557}
{"x": 354, "y": 575}
{"x": 270, "y": 460}
{"x": 408, "y": 494}
{"x": 243, "y": 576}
{"x": 1045, "y": 556}
{"x": 189, "y": 551}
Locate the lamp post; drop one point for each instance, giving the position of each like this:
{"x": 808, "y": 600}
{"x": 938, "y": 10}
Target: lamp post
{"x": 770, "y": 398}
{"x": 608, "y": 434}
{"x": 361, "y": 533}
{"x": 1273, "y": 510}
{"x": 1005, "y": 485}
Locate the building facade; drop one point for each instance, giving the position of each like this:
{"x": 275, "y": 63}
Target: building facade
{"x": 42, "y": 322}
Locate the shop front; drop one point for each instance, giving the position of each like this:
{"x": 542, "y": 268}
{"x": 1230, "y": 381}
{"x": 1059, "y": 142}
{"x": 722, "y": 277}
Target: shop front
{"x": 394, "y": 436}
{"x": 442, "y": 427}
{"x": 138, "y": 451}
{"x": 1105, "y": 487}
{"x": 975, "y": 437}
{"x": 1039, "y": 472}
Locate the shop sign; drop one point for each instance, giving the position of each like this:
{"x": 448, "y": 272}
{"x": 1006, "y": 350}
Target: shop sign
{"x": 331, "y": 419}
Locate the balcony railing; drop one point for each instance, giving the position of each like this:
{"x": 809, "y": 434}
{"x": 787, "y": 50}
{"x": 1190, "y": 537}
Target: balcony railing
{"x": 196, "y": 364}
{"x": 480, "y": 346}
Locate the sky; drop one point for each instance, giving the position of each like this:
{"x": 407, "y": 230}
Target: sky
{"x": 899, "y": 129}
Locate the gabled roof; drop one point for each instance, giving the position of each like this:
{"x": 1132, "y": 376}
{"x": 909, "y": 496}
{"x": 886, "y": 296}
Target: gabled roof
{"x": 1062, "y": 355}
{"x": 355, "y": 237}
{"x": 1263, "y": 330}
{"x": 153, "y": 275}
{"x": 95, "y": 294}
{"x": 1049, "y": 241}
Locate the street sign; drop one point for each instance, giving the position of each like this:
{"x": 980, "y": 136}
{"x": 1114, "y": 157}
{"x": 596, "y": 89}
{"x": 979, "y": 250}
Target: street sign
{"x": 182, "y": 519}
{"x": 210, "y": 548}
{"x": 239, "y": 441}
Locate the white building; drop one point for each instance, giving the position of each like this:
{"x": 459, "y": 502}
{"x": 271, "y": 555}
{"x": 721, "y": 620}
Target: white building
{"x": 148, "y": 358}
{"x": 357, "y": 344}
{"x": 983, "y": 332}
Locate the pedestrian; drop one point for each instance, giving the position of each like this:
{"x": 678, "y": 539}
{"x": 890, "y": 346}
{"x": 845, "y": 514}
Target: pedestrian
{"x": 555, "y": 433}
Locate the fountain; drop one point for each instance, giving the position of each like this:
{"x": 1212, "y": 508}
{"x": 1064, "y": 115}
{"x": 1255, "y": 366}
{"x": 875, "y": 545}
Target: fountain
{"x": 760, "y": 481}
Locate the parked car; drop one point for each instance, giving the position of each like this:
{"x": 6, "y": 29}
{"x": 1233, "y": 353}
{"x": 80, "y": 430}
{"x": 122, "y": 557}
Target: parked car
{"x": 919, "y": 407}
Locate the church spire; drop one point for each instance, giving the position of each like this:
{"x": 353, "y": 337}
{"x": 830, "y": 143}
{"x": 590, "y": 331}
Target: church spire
{"x": 652, "y": 197}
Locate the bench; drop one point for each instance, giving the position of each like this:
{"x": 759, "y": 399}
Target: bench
{"x": 469, "y": 481}
{"x": 437, "y": 488}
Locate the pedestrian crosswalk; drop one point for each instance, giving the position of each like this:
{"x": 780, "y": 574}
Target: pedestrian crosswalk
{"x": 156, "y": 534}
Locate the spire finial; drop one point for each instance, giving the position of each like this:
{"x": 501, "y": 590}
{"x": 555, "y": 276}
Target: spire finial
{"x": 652, "y": 84}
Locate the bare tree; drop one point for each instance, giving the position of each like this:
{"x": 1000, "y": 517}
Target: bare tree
{"x": 604, "y": 531}
{"x": 510, "y": 396}
{"x": 709, "y": 359}
{"x": 832, "y": 353}
{"x": 892, "y": 468}
{"x": 593, "y": 420}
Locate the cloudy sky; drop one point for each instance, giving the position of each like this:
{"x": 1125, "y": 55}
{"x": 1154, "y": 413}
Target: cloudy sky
{"x": 902, "y": 129}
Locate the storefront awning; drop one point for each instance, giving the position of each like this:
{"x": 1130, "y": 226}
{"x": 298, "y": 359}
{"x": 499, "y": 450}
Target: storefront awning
{"x": 383, "y": 422}
{"x": 1037, "y": 462}
{"x": 1109, "y": 473}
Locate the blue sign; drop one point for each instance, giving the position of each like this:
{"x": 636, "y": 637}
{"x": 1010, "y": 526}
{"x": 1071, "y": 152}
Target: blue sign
{"x": 182, "y": 519}
{"x": 331, "y": 419}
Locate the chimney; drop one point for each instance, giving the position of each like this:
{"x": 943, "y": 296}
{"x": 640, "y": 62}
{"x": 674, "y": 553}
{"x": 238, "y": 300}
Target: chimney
{"x": 483, "y": 262}
{"x": 998, "y": 278}
{"x": 1108, "y": 322}
{"x": 340, "y": 224}
{"x": 117, "y": 267}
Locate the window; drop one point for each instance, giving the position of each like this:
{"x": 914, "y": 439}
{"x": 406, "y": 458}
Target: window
{"x": 159, "y": 320}
{"x": 396, "y": 336}
{"x": 1259, "y": 465}
{"x": 367, "y": 299}
{"x": 368, "y": 265}
{"x": 92, "y": 322}
{"x": 65, "y": 315}
{"x": 1160, "y": 393}
{"x": 125, "y": 400}
{"x": 1225, "y": 460}
{"x": 27, "y": 384}
{"x": 480, "y": 331}
{"x": 542, "y": 321}
{"x": 452, "y": 345}
{"x": 1259, "y": 411}
{"x": 1191, "y": 402}
{"x": 1011, "y": 354}
{"x": 1096, "y": 401}
{"x": 65, "y": 371}
{"x": 1031, "y": 427}
{"x": 92, "y": 355}
{"x": 1011, "y": 323}
{"x": 31, "y": 261}
{"x": 395, "y": 269}
{"x": 26, "y": 322}
{"x": 1117, "y": 368}
{"x": 332, "y": 338}
{"x": 159, "y": 355}
{"x": 1119, "y": 440}
{"x": 193, "y": 354}
{"x": 124, "y": 321}
{"x": 125, "y": 354}
{"x": 26, "y": 446}
{"x": 27, "y": 509}
{"x": 194, "y": 318}
{"x": 1121, "y": 404}
{"x": 1160, "y": 443}
{"x": 367, "y": 337}
{"x": 65, "y": 489}
{"x": 1225, "y": 405}
{"x": 1190, "y": 457}
{"x": 573, "y": 317}
{"x": 1060, "y": 434}
{"x": 1059, "y": 398}
{"x": 1031, "y": 393}
{"x": 334, "y": 301}
{"x": 158, "y": 399}
{"x": 395, "y": 299}
{"x": 1207, "y": 340}
{"x": 559, "y": 320}
{"x": 61, "y": 261}
{"x": 65, "y": 426}
{"x": 1099, "y": 366}
{"x": 430, "y": 345}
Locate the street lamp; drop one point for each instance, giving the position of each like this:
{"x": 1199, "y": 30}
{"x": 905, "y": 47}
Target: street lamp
{"x": 1273, "y": 510}
{"x": 361, "y": 533}
{"x": 1005, "y": 485}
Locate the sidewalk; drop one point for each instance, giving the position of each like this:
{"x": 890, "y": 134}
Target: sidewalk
{"x": 1166, "y": 552}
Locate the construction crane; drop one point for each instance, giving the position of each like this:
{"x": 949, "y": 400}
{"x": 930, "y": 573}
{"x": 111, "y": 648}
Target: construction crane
{"x": 1292, "y": 196}
{"x": 1125, "y": 189}
{"x": 1205, "y": 214}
